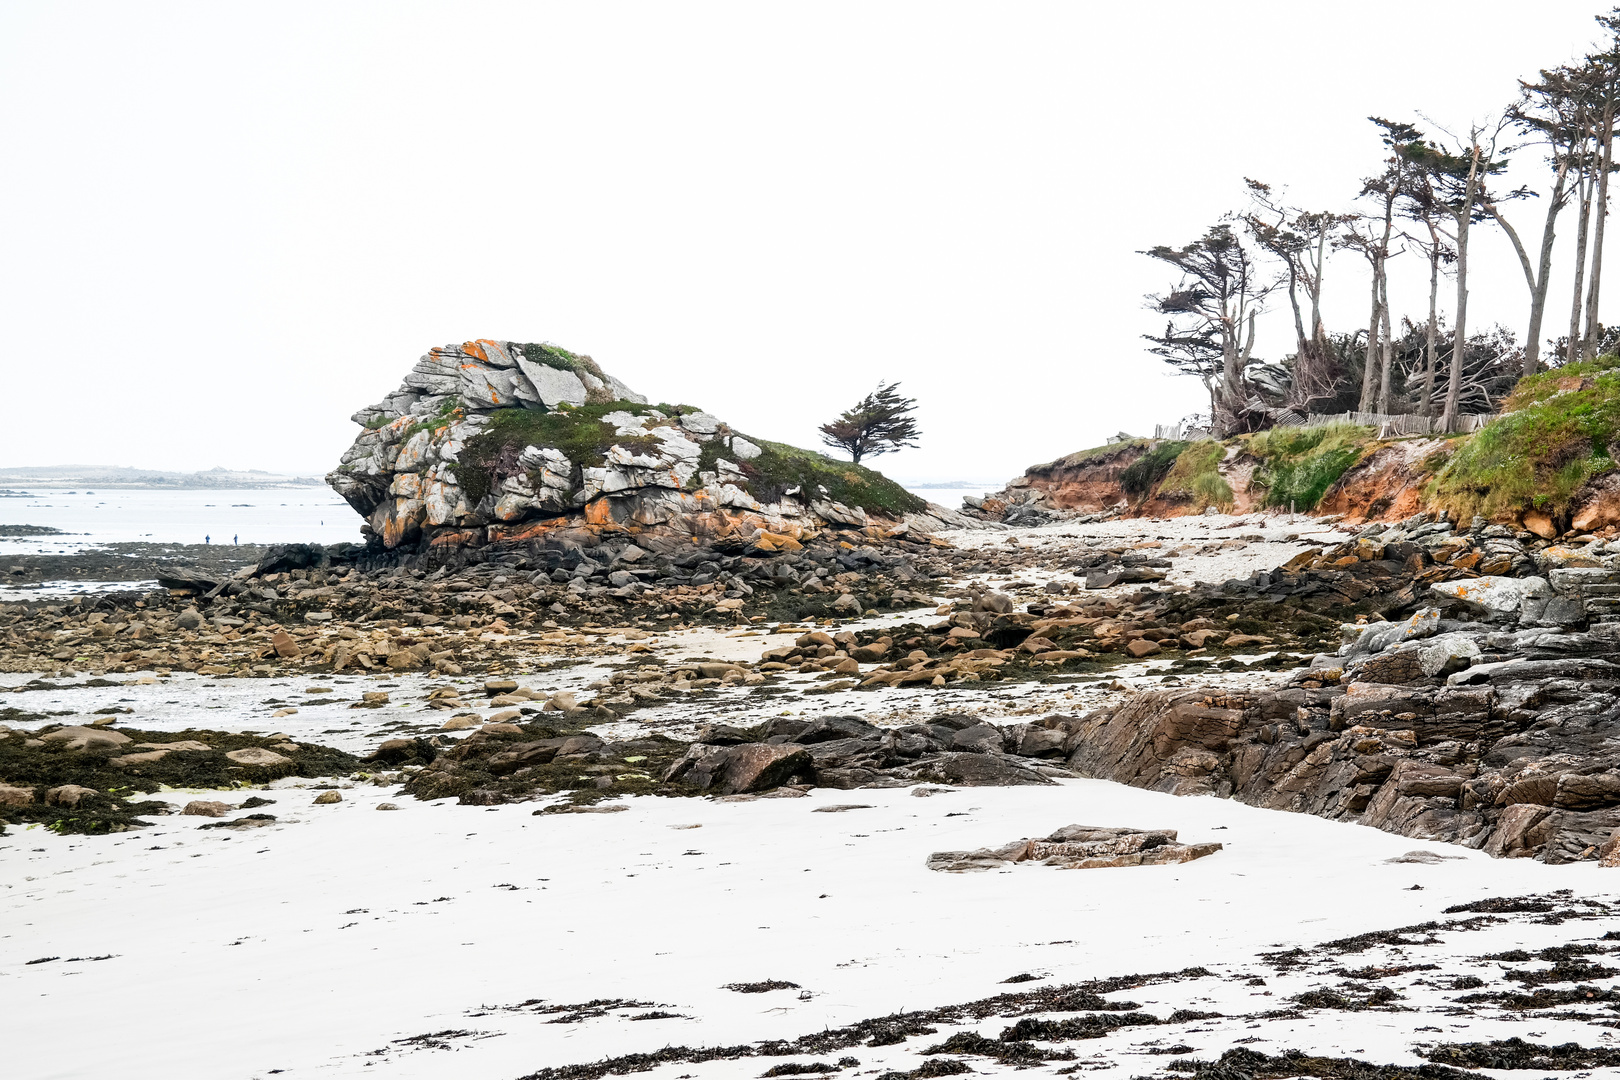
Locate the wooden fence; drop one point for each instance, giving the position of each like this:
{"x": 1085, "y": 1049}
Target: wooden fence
{"x": 1175, "y": 432}
{"x": 1390, "y": 425}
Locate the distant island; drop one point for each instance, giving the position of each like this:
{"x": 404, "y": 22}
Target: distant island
{"x": 111, "y": 476}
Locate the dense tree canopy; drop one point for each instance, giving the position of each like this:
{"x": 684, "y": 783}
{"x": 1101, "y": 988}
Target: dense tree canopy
{"x": 1430, "y": 190}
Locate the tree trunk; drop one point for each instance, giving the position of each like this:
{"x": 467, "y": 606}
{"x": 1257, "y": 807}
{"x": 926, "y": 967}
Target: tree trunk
{"x": 1459, "y": 343}
{"x": 1229, "y": 397}
{"x": 1318, "y": 332}
{"x": 1293, "y": 302}
{"x": 1537, "y": 277}
{"x": 1388, "y": 350}
{"x": 1432, "y": 344}
{"x": 1572, "y": 347}
{"x": 1589, "y": 343}
{"x": 1370, "y": 366}
{"x": 1538, "y": 289}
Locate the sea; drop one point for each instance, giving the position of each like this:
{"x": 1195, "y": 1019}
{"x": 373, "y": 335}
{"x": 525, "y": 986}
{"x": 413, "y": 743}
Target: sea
{"x": 89, "y": 517}
{"x": 951, "y": 498}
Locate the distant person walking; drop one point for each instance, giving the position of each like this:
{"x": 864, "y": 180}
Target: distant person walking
{"x": 236, "y": 539}
{"x": 207, "y": 540}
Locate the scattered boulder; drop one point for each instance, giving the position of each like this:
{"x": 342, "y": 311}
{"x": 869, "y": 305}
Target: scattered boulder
{"x": 68, "y": 795}
{"x": 732, "y": 770}
{"x": 257, "y": 755}
{"x": 1499, "y": 598}
{"x": 86, "y": 738}
{"x": 206, "y": 808}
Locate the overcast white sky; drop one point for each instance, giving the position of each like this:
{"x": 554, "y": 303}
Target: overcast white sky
{"x": 228, "y": 226}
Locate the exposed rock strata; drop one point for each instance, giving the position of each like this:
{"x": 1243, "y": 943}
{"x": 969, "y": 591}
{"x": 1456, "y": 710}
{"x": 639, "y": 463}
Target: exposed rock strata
{"x": 1079, "y": 847}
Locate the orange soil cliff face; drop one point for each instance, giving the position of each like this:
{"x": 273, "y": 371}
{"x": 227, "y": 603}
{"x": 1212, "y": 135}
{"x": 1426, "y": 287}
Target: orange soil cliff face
{"x": 1091, "y": 483}
{"x": 1088, "y": 484}
{"x": 1386, "y": 485}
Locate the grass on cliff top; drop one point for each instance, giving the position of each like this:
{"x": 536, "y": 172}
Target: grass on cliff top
{"x": 1299, "y": 464}
{"x": 1080, "y": 457}
{"x": 781, "y": 467}
{"x": 1196, "y": 475}
{"x": 1140, "y": 475}
{"x": 1550, "y": 440}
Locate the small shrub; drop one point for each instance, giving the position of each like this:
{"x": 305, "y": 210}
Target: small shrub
{"x": 1211, "y": 489}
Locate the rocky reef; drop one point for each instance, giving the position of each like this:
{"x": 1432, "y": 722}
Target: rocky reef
{"x": 497, "y": 442}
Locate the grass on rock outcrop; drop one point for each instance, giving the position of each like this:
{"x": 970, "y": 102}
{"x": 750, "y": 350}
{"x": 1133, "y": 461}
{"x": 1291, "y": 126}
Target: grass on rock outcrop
{"x": 1550, "y": 440}
{"x": 555, "y": 356}
{"x": 781, "y": 467}
{"x": 580, "y": 433}
{"x": 585, "y": 437}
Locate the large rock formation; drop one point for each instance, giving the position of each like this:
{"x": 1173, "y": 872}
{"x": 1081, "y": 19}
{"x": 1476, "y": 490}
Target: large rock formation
{"x": 493, "y": 441}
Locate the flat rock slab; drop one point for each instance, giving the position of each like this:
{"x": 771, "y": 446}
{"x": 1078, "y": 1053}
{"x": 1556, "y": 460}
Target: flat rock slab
{"x": 1079, "y": 847}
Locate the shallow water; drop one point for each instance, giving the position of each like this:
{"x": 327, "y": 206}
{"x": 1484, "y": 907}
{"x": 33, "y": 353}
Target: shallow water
{"x": 67, "y": 590}
{"x": 251, "y": 516}
{"x": 951, "y": 498}
{"x": 106, "y": 516}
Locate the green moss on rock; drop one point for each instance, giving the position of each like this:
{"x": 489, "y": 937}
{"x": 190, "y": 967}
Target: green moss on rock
{"x": 585, "y": 437}
{"x": 580, "y": 433}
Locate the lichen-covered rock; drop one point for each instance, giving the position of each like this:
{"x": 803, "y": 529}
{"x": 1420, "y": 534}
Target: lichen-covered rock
{"x": 493, "y": 441}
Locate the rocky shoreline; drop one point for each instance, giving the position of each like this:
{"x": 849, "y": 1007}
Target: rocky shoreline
{"x": 611, "y": 599}
{"x": 1391, "y": 682}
